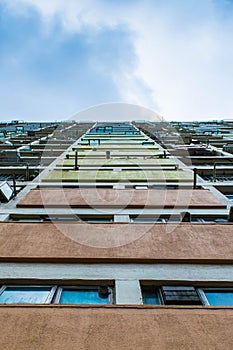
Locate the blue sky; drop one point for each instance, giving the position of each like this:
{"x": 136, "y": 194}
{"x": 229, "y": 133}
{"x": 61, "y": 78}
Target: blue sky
{"x": 58, "y": 57}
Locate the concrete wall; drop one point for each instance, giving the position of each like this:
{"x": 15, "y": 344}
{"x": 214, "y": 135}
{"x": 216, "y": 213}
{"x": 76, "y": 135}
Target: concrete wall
{"x": 165, "y": 273}
{"x": 115, "y": 328}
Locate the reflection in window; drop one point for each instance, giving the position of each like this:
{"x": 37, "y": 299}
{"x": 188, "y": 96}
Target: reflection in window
{"x": 25, "y": 295}
{"x": 22, "y": 294}
{"x": 219, "y": 297}
{"x": 83, "y": 296}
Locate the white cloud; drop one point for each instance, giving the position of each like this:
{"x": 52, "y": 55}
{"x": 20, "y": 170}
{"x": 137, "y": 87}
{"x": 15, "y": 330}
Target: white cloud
{"x": 75, "y": 15}
{"x": 187, "y": 62}
{"x": 183, "y": 50}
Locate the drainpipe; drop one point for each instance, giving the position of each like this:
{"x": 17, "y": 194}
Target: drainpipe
{"x": 194, "y": 178}
{"x": 76, "y": 161}
{"x": 230, "y": 216}
{"x": 14, "y": 185}
{"x": 27, "y": 172}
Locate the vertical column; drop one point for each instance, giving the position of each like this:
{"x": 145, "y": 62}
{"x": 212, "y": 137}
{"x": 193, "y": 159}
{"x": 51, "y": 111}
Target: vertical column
{"x": 128, "y": 292}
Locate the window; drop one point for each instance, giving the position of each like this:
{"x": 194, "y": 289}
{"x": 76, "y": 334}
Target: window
{"x": 6, "y": 192}
{"x": 180, "y": 295}
{"x": 151, "y": 295}
{"x": 230, "y": 197}
{"x": 170, "y": 295}
{"x": 84, "y": 295}
{"x": 217, "y": 296}
{"x": 186, "y": 295}
{"x": 207, "y": 219}
{"x": 26, "y": 294}
{"x": 97, "y": 219}
{"x": 144, "y": 218}
{"x": 71, "y": 218}
{"x": 22, "y": 294}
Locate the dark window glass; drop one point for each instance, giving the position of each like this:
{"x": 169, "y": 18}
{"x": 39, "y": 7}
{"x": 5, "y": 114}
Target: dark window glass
{"x": 150, "y": 295}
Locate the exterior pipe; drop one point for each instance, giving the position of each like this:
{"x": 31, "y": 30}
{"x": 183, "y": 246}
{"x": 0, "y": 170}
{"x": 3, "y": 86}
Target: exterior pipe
{"x": 14, "y": 185}
{"x": 76, "y": 161}
{"x": 194, "y": 178}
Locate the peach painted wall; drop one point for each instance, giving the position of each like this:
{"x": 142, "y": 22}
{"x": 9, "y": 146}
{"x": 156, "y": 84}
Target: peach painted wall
{"x": 114, "y": 242}
{"x": 115, "y": 328}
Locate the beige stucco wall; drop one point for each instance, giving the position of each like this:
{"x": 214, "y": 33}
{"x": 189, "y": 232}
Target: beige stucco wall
{"x": 120, "y": 198}
{"x": 184, "y": 242}
{"x": 115, "y": 328}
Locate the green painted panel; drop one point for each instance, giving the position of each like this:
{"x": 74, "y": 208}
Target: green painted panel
{"x": 130, "y": 175}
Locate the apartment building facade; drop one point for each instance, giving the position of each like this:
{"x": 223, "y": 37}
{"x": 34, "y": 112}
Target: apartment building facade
{"x": 115, "y": 244}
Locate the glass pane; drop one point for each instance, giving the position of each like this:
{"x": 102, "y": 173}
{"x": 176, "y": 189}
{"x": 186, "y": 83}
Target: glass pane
{"x": 230, "y": 197}
{"x": 24, "y": 295}
{"x": 151, "y": 298}
{"x": 94, "y": 142}
{"x": 98, "y": 220}
{"x": 82, "y": 296}
{"x": 224, "y": 298}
